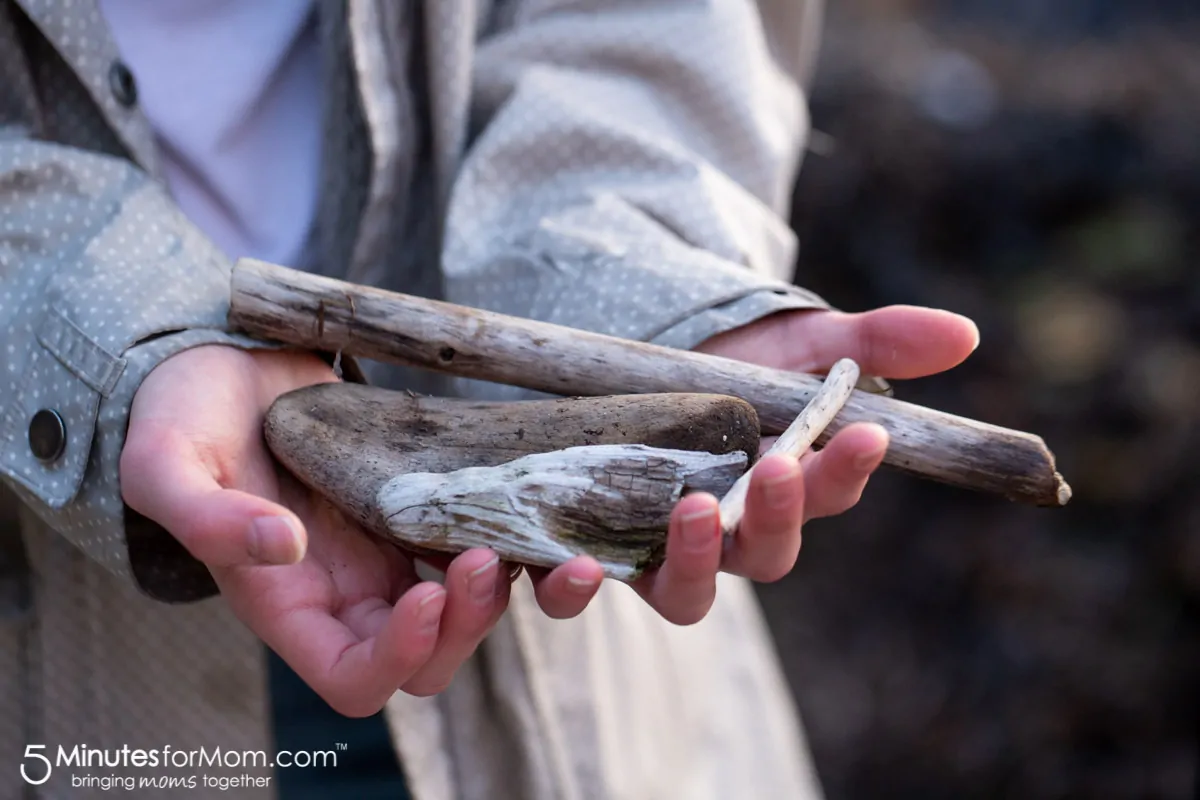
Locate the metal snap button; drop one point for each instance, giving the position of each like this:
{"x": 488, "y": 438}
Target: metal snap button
{"x": 122, "y": 84}
{"x": 47, "y": 435}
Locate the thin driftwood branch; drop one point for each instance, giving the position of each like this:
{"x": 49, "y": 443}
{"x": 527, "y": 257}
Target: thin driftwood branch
{"x": 320, "y": 313}
{"x": 799, "y": 436}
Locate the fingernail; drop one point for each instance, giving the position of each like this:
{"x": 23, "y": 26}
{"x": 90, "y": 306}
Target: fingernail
{"x": 275, "y": 540}
{"x": 481, "y": 582}
{"x": 429, "y": 610}
{"x": 699, "y": 528}
{"x": 867, "y": 461}
{"x": 581, "y": 585}
{"x": 779, "y": 491}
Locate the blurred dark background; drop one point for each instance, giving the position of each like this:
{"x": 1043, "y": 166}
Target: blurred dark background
{"x": 1034, "y": 164}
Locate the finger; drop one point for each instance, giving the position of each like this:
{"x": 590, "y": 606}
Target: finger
{"x": 684, "y": 587}
{"x": 565, "y": 591}
{"x": 834, "y": 478}
{"x": 892, "y": 342}
{"x": 767, "y": 542}
{"x": 163, "y": 479}
{"x": 439, "y": 563}
{"x": 357, "y": 675}
{"x": 477, "y": 593}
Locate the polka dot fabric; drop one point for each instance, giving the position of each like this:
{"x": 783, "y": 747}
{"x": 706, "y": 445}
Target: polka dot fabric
{"x": 629, "y": 178}
{"x": 632, "y": 174}
{"x": 615, "y": 165}
{"x": 76, "y": 30}
{"x": 107, "y": 266}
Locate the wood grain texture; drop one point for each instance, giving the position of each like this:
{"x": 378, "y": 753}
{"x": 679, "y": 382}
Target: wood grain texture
{"x": 321, "y": 313}
{"x": 348, "y": 441}
{"x": 612, "y": 502}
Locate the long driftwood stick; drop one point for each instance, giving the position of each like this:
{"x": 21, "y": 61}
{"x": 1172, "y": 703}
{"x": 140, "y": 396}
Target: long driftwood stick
{"x": 320, "y": 313}
{"x": 799, "y": 436}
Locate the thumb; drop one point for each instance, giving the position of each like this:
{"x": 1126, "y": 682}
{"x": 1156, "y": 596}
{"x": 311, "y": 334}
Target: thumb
{"x": 220, "y": 527}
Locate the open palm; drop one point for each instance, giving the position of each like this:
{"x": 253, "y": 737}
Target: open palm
{"x": 346, "y": 611}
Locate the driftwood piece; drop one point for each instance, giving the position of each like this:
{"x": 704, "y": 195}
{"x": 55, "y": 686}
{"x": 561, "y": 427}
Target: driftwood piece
{"x": 371, "y": 451}
{"x": 799, "y": 436}
{"x": 320, "y": 313}
{"x": 612, "y": 502}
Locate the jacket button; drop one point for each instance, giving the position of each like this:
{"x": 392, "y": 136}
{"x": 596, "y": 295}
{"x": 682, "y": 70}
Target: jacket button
{"x": 47, "y": 436}
{"x": 122, "y": 84}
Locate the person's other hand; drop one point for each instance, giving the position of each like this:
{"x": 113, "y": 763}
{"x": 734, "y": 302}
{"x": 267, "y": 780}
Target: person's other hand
{"x": 347, "y": 612}
{"x": 895, "y": 342}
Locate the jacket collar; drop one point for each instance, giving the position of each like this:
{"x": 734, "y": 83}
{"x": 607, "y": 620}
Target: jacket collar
{"x": 78, "y": 32}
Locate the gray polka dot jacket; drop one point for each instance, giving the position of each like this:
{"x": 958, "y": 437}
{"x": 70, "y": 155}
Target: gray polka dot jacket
{"x": 621, "y": 166}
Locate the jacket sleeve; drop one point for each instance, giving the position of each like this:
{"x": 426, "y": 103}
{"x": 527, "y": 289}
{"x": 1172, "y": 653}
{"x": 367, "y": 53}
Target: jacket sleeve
{"x": 101, "y": 279}
{"x": 633, "y": 166}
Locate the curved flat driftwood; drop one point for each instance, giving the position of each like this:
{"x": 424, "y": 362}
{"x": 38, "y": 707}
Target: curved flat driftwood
{"x": 347, "y": 442}
{"x": 320, "y": 313}
{"x": 612, "y": 502}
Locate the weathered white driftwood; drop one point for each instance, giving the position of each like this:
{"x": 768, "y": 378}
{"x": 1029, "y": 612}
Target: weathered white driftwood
{"x": 611, "y": 502}
{"x": 335, "y": 316}
{"x": 799, "y": 436}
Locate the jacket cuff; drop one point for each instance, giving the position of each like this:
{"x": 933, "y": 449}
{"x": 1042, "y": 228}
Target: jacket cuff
{"x": 722, "y": 317}
{"x": 80, "y": 495}
{"x": 145, "y": 274}
{"x": 608, "y": 267}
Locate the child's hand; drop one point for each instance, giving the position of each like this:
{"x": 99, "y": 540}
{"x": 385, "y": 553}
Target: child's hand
{"x": 894, "y": 342}
{"x": 346, "y": 611}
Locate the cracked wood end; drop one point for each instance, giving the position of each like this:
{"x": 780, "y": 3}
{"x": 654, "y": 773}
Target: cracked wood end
{"x": 611, "y": 502}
